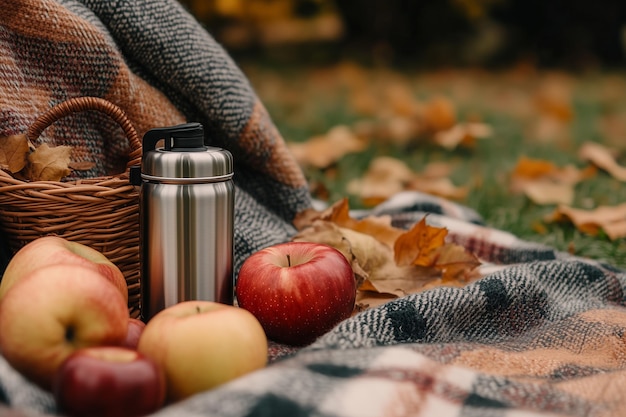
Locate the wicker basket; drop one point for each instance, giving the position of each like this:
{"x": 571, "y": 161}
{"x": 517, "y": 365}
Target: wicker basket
{"x": 100, "y": 212}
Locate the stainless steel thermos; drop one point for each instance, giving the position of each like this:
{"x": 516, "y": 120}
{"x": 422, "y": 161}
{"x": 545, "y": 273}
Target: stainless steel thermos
{"x": 186, "y": 215}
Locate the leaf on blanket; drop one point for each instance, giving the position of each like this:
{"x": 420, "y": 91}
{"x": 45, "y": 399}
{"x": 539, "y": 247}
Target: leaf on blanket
{"x": 610, "y": 219}
{"x": 603, "y": 158}
{"x": 48, "y": 163}
{"x": 418, "y": 245}
{"x": 388, "y": 262}
{"x": 339, "y": 214}
{"x": 13, "y": 152}
{"x": 322, "y": 151}
{"x": 425, "y": 245}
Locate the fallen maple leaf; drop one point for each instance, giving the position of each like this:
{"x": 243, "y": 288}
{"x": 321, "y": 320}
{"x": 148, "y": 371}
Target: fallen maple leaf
{"x": 438, "y": 114}
{"x": 416, "y": 246}
{"x": 543, "y": 182}
{"x": 426, "y": 246}
{"x": 322, "y": 151}
{"x": 13, "y": 152}
{"x": 49, "y": 163}
{"x": 387, "y": 176}
{"x": 377, "y": 226}
{"x": 610, "y": 219}
{"x": 388, "y": 262}
{"x": 603, "y": 158}
{"x": 462, "y": 134}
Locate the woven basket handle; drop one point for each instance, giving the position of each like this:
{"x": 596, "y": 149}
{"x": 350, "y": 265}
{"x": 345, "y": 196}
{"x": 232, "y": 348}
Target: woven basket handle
{"x": 80, "y": 104}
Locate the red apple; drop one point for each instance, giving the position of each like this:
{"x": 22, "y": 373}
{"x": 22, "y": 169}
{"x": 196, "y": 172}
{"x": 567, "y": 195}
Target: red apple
{"x": 135, "y": 329}
{"x": 108, "y": 382}
{"x": 55, "y": 310}
{"x": 297, "y": 290}
{"x": 202, "y": 344}
{"x": 54, "y": 250}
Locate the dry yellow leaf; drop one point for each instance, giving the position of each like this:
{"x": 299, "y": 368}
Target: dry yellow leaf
{"x": 603, "y": 158}
{"x": 548, "y": 192}
{"x": 47, "y": 163}
{"x": 543, "y": 182}
{"x": 455, "y": 263}
{"x": 388, "y": 262}
{"x": 378, "y": 226}
{"x": 462, "y": 134}
{"x": 610, "y": 219}
{"x": 322, "y": 151}
{"x": 13, "y": 152}
{"x": 387, "y": 176}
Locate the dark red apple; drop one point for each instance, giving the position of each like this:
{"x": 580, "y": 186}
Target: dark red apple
{"x": 297, "y": 290}
{"x": 107, "y": 381}
{"x": 135, "y": 329}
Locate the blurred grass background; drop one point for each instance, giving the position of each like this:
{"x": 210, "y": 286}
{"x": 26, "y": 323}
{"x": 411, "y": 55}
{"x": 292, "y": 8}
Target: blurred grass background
{"x": 490, "y": 58}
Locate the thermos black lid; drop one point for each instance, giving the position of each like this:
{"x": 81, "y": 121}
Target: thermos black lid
{"x": 184, "y": 155}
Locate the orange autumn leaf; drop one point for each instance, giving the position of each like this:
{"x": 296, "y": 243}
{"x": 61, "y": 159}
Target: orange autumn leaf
{"x": 388, "y": 262}
{"x": 417, "y": 246}
{"x": 439, "y": 113}
{"x": 533, "y": 168}
{"x": 425, "y": 246}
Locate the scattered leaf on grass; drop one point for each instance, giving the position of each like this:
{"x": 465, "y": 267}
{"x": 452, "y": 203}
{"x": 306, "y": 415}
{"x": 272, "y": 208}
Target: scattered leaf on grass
{"x": 543, "y": 182}
{"x": 610, "y": 219}
{"x": 603, "y": 158}
{"x": 386, "y": 176}
{"x": 462, "y": 134}
{"x": 322, "y": 151}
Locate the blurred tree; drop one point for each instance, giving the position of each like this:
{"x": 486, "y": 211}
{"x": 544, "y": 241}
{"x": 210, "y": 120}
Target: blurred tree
{"x": 554, "y": 32}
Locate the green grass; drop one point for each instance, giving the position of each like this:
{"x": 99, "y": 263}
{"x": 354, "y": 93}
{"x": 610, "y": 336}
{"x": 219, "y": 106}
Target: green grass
{"x": 305, "y": 102}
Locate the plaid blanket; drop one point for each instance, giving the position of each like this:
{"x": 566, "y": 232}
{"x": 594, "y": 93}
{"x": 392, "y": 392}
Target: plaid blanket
{"x": 541, "y": 334}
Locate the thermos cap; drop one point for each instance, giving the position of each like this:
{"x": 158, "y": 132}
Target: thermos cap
{"x": 183, "y": 155}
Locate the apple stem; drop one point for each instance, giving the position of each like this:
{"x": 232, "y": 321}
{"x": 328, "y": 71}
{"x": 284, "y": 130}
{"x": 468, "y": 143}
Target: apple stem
{"x": 288, "y": 260}
{"x": 198, "y": 309}
{"x": 69, "y": 334}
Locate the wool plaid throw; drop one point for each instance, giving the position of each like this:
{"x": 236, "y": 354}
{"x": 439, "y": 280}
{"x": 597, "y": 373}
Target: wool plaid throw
{"x": 540, "y": 334}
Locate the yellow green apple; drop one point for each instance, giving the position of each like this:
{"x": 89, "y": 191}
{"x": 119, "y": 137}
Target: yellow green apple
{"x": 203, "y": 344}
{"x": 55, "y": 310}
{"x": 55, "y": 250}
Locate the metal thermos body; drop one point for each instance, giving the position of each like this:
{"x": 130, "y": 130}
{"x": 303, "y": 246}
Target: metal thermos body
{"x": 187, "y": 215}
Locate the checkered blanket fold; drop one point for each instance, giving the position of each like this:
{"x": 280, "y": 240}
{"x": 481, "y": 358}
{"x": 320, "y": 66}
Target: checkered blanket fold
{"x": 541, "y": 334}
